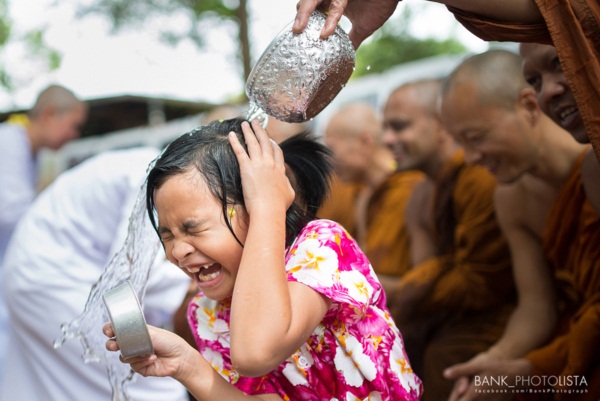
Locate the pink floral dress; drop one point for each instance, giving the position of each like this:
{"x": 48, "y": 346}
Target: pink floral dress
{"x": 356, "y": 353}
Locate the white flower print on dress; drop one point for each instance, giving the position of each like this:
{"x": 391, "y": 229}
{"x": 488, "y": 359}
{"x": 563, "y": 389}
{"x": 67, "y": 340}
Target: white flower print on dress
{"x": 374, "y": 396}
{"x": 358, "y": 287}
{"x": 400, "y": 365}
{"x": 352, "y": 362}
{"x": 313, "y": 264}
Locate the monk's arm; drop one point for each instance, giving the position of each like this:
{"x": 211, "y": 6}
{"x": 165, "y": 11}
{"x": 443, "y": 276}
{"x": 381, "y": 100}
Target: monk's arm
{"x": 418, "y": 218}
{"x": 405, "y": 293}
{"x": 476, "y": 275}
{"x": 524, "y": 11}
{"x": 533, "y": 320}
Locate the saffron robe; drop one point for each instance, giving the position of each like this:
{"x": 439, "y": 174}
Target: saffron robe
{"x": 387, "y": 244}
{"x": 470, "y": 292}
{"x": 572, "y": 243}
{"x": 339, "y": 206}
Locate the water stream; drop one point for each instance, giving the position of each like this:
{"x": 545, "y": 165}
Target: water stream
{"x": 133, "y": 263}
{"x": 256, "y": 113}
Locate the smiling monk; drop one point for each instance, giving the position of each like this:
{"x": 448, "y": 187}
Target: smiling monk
{"x": 551, "y": 226}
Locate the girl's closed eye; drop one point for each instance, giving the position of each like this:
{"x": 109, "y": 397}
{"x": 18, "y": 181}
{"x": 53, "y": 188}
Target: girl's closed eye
{"x": 165, "y": 234}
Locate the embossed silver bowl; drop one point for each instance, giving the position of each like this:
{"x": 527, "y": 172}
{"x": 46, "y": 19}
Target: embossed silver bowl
{"x": 128, "y": 322}
{"x": 298, "y": 75}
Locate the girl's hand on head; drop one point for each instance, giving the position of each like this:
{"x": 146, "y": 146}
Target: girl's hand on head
{"x": 172, "y": 354}
{"x": 264, "y": 181}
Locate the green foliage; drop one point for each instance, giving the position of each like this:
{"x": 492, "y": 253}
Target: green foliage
{"x": 5, "y": 30}
{"x": 393, "y": 44}
{"x": 127, "y": 14}
{"x": 32, "y": 40}
{"x": 389, "y": 50}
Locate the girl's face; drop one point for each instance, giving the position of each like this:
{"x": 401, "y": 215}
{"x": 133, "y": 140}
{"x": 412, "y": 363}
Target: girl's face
{"x": 193, "y": 230}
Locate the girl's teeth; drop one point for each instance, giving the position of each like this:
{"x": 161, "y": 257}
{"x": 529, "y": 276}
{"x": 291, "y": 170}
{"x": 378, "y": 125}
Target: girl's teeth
{"x": 197, "y": 269}
{"x": 208, "y": 277}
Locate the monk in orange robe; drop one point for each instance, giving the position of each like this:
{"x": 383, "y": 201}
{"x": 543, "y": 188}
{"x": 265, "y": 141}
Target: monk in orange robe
{"x": 387, "y": 243}
{"x": 455, "y": 300}
{"x": 353, "y": 135}
{"x": 571, "y": 241}
{"x": 552, "y": 228}
{"x": 339, "y": 206}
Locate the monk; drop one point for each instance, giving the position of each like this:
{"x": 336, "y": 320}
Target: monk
{"x": 552, "y": 229}
{"x": 353, "y": 133}
{"x": 339, "y": 205}
{"x": 542, "y": 71}
{"x": 572, "y": 26}
{"x": 455, "y": 300}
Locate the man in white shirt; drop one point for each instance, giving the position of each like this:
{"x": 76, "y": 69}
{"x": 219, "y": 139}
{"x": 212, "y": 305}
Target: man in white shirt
{"x": 55, "y": 119}
{"x": 57, "y": 253}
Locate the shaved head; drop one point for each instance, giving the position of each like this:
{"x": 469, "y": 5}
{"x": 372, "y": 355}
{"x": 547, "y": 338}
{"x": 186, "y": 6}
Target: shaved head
{"x": 62, "y": 99}
{"x": 426, "y": 93}
{"x": 353, "y": 134}
{"x": 355, "y": 118}
{"x": 496, "y": 76}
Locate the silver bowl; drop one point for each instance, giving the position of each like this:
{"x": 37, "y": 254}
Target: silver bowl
{"x": 298, "y": 75}
{"x": 128, "y": 322}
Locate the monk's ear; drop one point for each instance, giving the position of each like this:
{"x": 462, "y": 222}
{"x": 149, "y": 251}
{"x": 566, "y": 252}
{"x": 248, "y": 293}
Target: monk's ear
{"x": 367, "y": 138}
{"x": 529, "y": 105}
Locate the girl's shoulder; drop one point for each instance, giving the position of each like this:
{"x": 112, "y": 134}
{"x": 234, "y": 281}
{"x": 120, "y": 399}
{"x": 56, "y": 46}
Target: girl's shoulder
{"x": 325, "y": 227}
{"x": 328, "y": 234}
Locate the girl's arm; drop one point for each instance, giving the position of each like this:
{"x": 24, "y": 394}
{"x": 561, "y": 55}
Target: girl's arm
{"x": 270, "y": 317}
{"x": 176, "y": 358}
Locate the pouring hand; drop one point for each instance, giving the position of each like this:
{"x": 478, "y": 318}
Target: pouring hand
{"x": 366, "y": 16}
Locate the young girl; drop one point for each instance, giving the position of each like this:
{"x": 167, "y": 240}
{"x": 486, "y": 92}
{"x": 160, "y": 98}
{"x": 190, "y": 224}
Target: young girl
{"x": 289, "y": 307}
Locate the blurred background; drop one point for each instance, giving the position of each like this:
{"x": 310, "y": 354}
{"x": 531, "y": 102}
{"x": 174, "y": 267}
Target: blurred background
{"x": 153, "y": 69}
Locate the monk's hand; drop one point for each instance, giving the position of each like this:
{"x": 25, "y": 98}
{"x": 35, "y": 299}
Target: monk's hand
{"x": 264, "y": 181}
{"x": 366, "y": 16}
{"x": 173, "y": 356}
{"x": 473, "y": 379}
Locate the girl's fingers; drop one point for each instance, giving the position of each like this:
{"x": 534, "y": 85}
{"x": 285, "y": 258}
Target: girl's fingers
{"x": 112, "y": 345}
{"x": 108, "y": 330}
{"x": 237, "y": 147}
{"x": 262, "y": 137}
{"x": 277, "y": 153}
{"x": 258, "y": 142}
{"x": 251, "y": 140}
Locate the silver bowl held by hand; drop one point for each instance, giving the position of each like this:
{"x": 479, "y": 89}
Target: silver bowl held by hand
{"x": 298, "y": 75}
{"x": 127, "y": 320}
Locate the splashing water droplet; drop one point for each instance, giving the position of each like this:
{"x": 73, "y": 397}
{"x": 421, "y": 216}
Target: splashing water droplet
{"x": 368, "y": 67}
{"x": 131, "y": 263}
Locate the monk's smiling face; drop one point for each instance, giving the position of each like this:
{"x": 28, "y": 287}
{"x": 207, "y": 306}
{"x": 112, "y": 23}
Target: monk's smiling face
{"x": 498, "y": 138}
{"x": 542, "y": 70}
{"x": 409, "y": 130}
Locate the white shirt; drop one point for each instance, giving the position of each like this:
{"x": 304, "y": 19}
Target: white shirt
{"x": 58, "y": 251}
{"x": 18, "y": 181}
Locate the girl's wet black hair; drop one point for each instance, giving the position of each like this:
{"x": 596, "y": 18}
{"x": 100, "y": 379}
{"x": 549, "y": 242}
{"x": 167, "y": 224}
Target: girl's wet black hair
{"x": 208, "y": 150}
